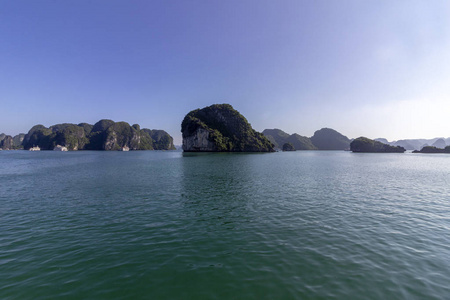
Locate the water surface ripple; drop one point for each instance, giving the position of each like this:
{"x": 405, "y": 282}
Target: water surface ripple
{"x": 168, "y": 225}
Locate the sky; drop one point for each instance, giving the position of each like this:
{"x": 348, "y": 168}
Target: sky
{"x": 364, "y": 68}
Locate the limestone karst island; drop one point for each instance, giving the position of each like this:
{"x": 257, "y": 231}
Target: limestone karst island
{"x": 216, "y": 128}
{"x": 103, "y": 135}
{"x": 221, "y": 128}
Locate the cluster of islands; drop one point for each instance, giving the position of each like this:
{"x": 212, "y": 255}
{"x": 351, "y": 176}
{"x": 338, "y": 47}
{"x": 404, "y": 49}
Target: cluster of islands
{"x": 103, "y": 135}
{"x": 216, "y": 128}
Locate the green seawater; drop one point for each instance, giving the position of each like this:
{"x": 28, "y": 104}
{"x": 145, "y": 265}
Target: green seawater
{"x": 168, "y": 225}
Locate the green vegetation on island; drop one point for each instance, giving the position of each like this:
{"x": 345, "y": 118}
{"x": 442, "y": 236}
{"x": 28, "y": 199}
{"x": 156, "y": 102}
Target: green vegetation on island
{"x": 8, "y": 142}
{"x": 221, "y": 128}
{"x": 216, "y": 128}
{"x": 18, "y": 140}
{"x": 363, "y": 144}
{"x": 104, "y": 135}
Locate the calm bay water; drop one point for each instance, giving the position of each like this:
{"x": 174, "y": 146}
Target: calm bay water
{"x": 168, "y": 225}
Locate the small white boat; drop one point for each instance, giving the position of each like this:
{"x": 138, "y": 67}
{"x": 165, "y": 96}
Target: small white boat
{"x": 60, "y": 148}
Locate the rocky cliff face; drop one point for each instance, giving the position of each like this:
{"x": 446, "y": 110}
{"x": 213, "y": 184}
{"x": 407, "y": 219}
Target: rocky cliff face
{"x": 199, "y": 140}
{"x": 72, "y": 136}
{"x": 18, "y": 140}
{"x": 38, "y": 135}
{"x": 7, "y": 143}
{"x": 121, "y": 135}
{"x": 104, "y": 135}
{"x": 161, "y": 140}
{"x": 220, "y": 128}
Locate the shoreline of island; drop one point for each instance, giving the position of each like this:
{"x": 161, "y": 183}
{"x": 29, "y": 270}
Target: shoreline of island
{"x": 215, "y": 128}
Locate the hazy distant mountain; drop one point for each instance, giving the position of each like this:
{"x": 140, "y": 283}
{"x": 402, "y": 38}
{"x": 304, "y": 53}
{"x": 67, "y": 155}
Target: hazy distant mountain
{"x": 440, "y": 143}
{"x": 416, "y": 144}
{"x": 323, "y": 139}
{"x": 407, "y": 144}
{"x": 419, "y": 144}
{"x": 278, "y": 137}
{"x": 382, "y": 140}
{"x": 301, "y": 142}
{"x": 330, "y": 139}
{"x": 432, "y": 149}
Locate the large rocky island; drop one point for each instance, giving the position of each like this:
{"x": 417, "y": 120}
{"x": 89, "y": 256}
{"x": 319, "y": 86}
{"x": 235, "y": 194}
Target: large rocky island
{"x": 221, "y": 128}
{"x": 363, "y": 144}
{"x": 103, "y": 135}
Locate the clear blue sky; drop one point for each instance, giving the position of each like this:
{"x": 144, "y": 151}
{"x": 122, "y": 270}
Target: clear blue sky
{"x": 372, "y": 68}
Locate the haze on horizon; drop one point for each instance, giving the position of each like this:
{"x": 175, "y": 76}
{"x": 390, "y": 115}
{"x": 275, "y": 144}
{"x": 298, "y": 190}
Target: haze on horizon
{"x": 364, "y": 68}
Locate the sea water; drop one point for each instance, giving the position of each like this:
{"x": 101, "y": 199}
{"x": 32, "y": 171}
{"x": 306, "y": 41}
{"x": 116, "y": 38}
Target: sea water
{"x": 168, "y": 225}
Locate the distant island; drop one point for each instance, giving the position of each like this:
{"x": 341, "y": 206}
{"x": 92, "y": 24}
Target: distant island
{"x": 363, "y": 144}
{"x": 103, "y": 135}
{"x": 221, "y": 128}
{"x": 417, "y": 144}
{"x": 433, "y": 149}
{"x": 323, "y": 139}
{"x": 330, "y": 139}
{"x": 288, "y": 147}
{"x": 278, "y": 137}
{"x": 8, "y": 142}
{"x": 216, "y": 128}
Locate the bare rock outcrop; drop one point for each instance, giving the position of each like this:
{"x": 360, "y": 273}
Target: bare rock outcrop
{"x": 7, "y": 143}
